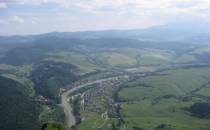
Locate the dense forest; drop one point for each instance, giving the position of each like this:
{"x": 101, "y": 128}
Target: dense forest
{"x": 17, "y": 109}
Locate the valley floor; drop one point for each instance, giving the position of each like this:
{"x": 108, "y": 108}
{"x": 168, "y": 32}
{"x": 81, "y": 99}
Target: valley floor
{"x": 145, "y": 101}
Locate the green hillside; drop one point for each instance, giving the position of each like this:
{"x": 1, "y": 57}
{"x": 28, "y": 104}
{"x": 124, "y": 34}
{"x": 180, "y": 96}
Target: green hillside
{"x": 17, "y": 110}
{"x": 168, "y": 85}
{"x": 166, "y": 101}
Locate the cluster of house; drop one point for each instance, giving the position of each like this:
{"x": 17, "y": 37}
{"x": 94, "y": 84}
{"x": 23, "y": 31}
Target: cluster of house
{"x": 41, "y": 99}
{"x": 105, "y": 97}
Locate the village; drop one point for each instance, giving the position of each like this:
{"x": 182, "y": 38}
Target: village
{"x": 103, "y": 93}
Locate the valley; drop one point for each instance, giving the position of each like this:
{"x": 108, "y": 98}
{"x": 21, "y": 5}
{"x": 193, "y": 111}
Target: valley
{"x": 104, "y": 83}
{"x": 104, "y": 65}
{"x": 135, "y": 97}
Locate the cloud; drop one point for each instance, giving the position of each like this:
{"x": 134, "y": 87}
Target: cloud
{"x": 163, "y": 7}
{"x": 32, "y": 2}
{"x": 160, "y": 9}
{"x": 16, "y": 19}
{"x": 155, "y": 10}
{"x": 5, "y": 22}
{"x": 76, "y": 15}
{"x": 113, "y": 3}
{"x": 3, "y": 5}
{"x": 33, "y": 22}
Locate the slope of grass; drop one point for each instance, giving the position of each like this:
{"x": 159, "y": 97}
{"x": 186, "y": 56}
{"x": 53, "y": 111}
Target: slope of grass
{"x": 53, "y": 126}
{"x": 158, "y": 101}
{"x": 78, "y": 59}
{"x": 120, "y": 59}
{"x": 90, "y": 121}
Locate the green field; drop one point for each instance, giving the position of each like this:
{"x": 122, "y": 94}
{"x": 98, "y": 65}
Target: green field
{"x": 177, "y": 79}
{"x": 78, "y": 59}
{"x": 90, "y": 121}
{"x": 153, "y": 101}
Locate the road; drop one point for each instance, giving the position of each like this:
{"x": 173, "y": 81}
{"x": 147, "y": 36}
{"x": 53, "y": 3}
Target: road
{"x": 70, "y": 119}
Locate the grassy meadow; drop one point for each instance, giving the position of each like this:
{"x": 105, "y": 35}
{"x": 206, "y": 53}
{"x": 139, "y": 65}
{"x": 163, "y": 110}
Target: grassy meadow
{"x": 160, "y": 101}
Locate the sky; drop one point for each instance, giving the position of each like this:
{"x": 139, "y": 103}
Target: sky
{"x": 24, "y": 17}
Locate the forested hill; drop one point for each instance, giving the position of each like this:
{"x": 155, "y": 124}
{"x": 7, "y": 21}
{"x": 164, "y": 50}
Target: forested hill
{"x": 17, "y": 110}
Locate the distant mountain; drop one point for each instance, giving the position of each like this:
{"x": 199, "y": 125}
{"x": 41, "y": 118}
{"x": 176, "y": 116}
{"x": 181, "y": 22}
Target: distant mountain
{"x": 185, "y": 31}
{"x": 178, "y": 31}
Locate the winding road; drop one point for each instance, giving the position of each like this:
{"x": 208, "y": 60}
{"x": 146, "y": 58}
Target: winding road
{"x": 70, "y": 119}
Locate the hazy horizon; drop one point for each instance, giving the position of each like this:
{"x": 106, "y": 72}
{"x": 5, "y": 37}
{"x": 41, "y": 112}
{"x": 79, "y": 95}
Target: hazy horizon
{"x": 25, "y": 17}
